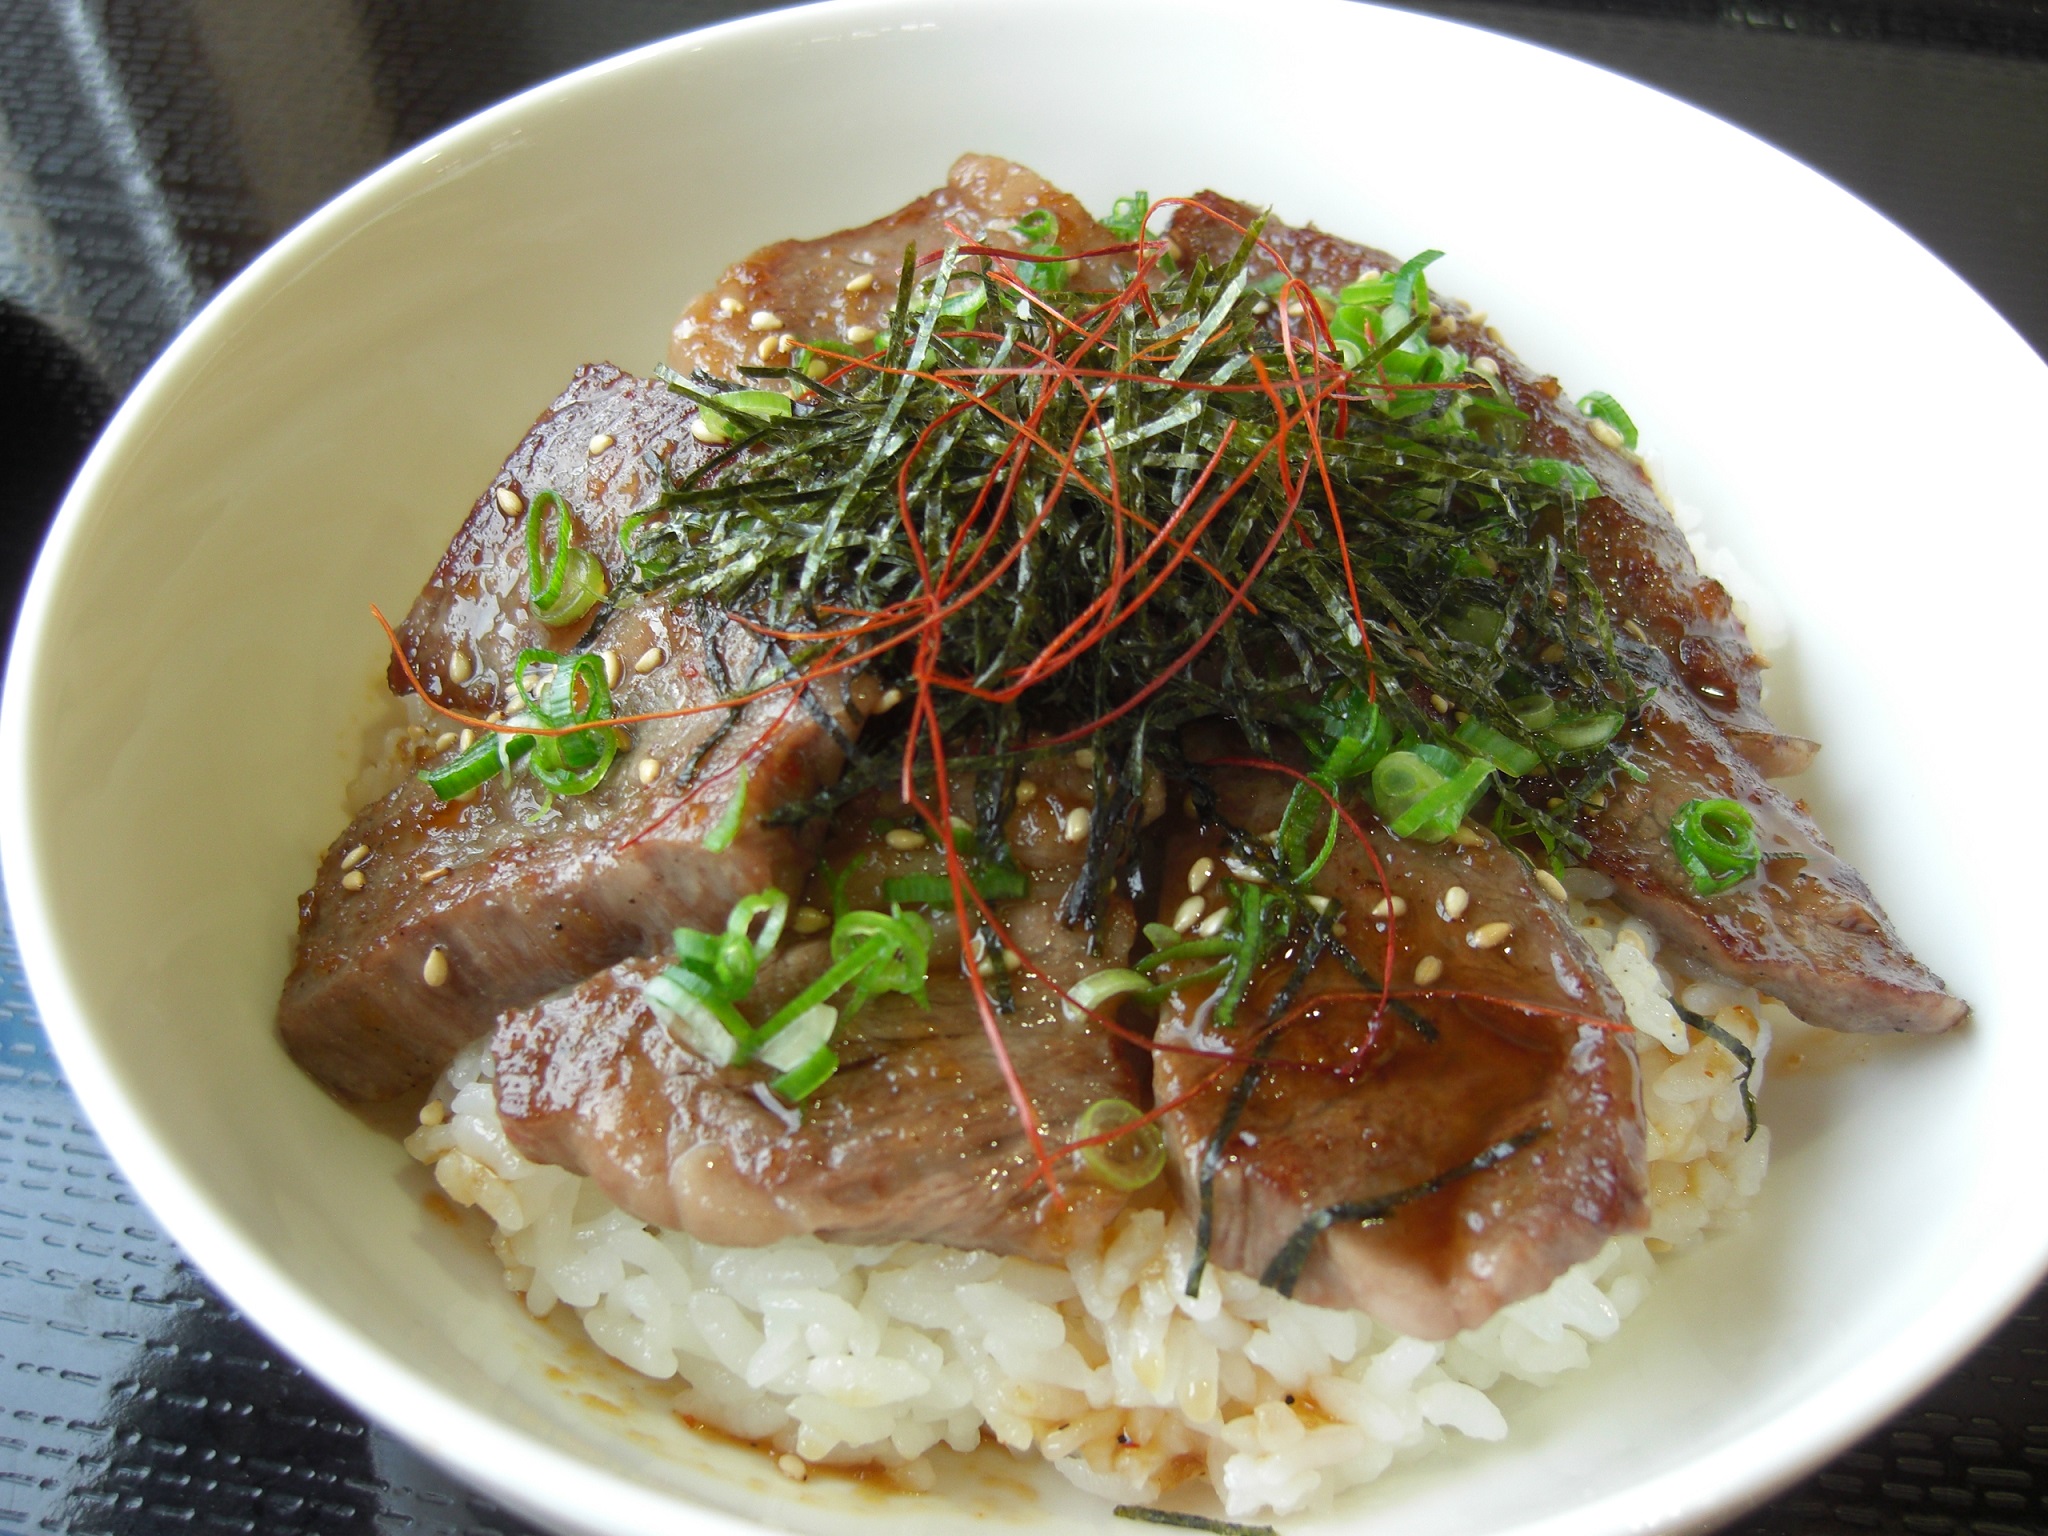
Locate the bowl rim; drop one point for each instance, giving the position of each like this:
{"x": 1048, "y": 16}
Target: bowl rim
{"x": 557, "y": 1487}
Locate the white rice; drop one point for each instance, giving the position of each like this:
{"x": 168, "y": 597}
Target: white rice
{"x": 839, "y": 1354}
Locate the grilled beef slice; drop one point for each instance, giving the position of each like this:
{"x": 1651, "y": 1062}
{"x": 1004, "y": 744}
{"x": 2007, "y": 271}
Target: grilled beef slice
{"x": 915, "y": 1136}
{"x": 520, "y": 900}
{"x": 804, "y": 285}
{"x": 1815, "y": 937}
{"x": 1805, "y": 929}
{"x": 1348, "y": 1105}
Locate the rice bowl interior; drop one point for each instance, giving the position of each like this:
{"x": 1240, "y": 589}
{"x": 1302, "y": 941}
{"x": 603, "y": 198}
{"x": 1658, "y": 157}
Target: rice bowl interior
{"x": 152, "y": 887}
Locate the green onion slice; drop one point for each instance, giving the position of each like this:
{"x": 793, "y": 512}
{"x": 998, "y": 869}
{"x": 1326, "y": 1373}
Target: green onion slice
{"x": 800, "y": 1039}
{"x": 1126, "y": 216}
{"x": 1435, "y": 815}
{"x": 1093, "y": 991}
{"x": 576, "y": 763}
{"x": 727, "y": 827}
{"x": 495, "y": 754}
{"x": 1604, "y": 407}
{"x": 808, "y": 1076}
{"x": 1583, "y": 731}
{"x": 995, "y": 882}
{"x": 1715, "y": 841}
{"x": 1131, "y": 1161}
{"x": 574, "y": 583}
{"x": 741, "y": 411}
{"x": 1504, "y": 752}
{"x": 1573, "y": 479}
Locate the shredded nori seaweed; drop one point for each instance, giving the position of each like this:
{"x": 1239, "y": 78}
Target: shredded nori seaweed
{"x": 1733, "y": 1047}
{"x": 1190, "y": 1522}
{"x": 1468, "y": 578}
{"x": 1283, "y": 1272}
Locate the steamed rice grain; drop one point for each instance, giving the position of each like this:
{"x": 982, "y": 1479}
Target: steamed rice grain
{"x": 841, "y": 1354}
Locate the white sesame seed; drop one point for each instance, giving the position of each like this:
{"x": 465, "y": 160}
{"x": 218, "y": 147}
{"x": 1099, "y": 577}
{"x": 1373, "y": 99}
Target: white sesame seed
{"x": 1597, "y": 799}
{"x": 1439, "y": 703}
{"x": 1552, "y": 886}
{"x": 460, "y": 668}
{"x": 1294, "y": 308}
{"x": 614, "y": 667}
{"x": 353, "y": 880}
{"x": 1396, "y": 905}
{"x": 903, "y": 839}
{"x": 445, "y": 740}
{"x": 1427, "y": 970}
{"x": 1075, "y": 829}
{"x": 1026, "y": 791}
{"x": 433, "y": 1112}
{"x": 1454, "y": 903}
{"x": 1201, "y": 872}
{"x": 704, "y": 432}
{"x": 496, "y": 717}
{"x": 1636, "y": 629}
{"x": 860, "y": 333}
{"x": 649, "y": 769}
{"x": 1467, "y": 837}
{"x": 1012, "y": 961}
{"x": 650, "y": 658}
{"x": 1188, "y": 913}
{"x": 438, "y": 872}
{"x": 1489, "y": 935}
{"x": 1262, "y": 307}
{"x": 985, "y": 968}
{"x": 355, "y": 856}
{"x": 1085, "y": 758}
{"x": 509, "y": 502}
{"x": 1318, "y": 904}
{"x": 435, "y": 972}
{"x": 785, "y": 343}
{"x": 795, "y": 1468}
{"x": 1486, "y": 365}
{"x": 764, "y": 320}
{"x": 860, "y": 282}
{"x": 766, "y": 351}
{"x": 728, "y": 305}
{"x": 1605, "y": 432}
{"x": 1213, "y": 924}
{"x": 809, "y": 920}
{"x": 466, "y": 740}
{"x": 890, "y": 699}
{"x": 599, "y": 443}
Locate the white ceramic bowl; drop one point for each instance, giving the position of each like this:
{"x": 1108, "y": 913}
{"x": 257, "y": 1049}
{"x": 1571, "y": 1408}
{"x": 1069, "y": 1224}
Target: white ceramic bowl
{"x": 196, "y": 658}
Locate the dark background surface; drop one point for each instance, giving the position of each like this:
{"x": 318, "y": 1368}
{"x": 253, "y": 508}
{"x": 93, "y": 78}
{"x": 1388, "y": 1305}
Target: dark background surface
{"x": 150, "y": 148}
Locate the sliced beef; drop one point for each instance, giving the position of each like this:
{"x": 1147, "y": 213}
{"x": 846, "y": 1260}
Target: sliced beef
{"x": 1347, "y": 1105}
{"x": 519, "y": 897}
{"x": 1806, "y": 929}
{"x": 915, "y": 1136}
{"x": 1633, "y": 546}
{"x": 1816, "y": 938}
{"x": 472, "y": 619}
{"x": 820, "y": 289}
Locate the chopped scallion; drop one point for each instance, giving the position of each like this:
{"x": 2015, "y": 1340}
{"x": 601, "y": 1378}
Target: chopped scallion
{"x": 740, "y": 411}
{"x": 1604, "y": 407}
{"x": 1130, "y": 1161}
{"x": 1715, "y": 841}
{"x": 574, "y": 583}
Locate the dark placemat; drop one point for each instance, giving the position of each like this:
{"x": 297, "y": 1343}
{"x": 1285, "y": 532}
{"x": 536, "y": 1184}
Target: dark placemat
{"x": 150, "y": 148}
